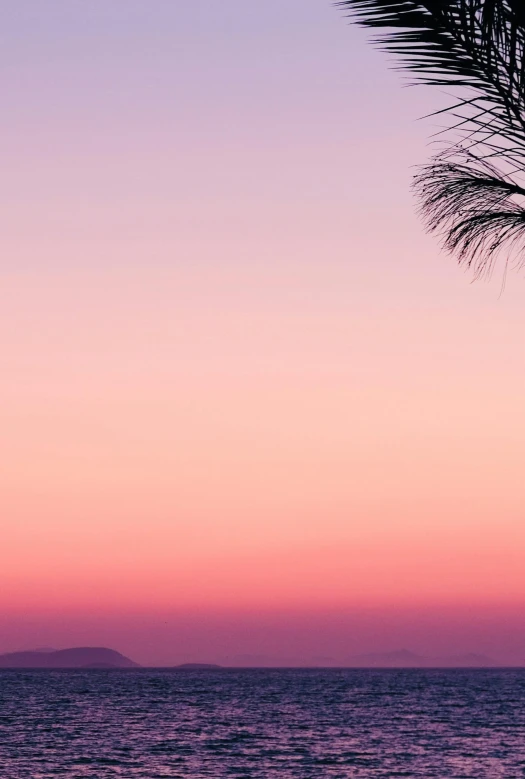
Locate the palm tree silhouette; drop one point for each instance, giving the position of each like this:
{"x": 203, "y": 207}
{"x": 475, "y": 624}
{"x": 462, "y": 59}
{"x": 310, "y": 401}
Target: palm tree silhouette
{"x": 472, "y": 193}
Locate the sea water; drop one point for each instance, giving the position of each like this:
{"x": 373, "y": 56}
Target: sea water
{"x": 262, "y": 724}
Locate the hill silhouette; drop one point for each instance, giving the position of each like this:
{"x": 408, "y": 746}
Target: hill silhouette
{"x": 404, "y": 658}
{"x": 78, "y": 657}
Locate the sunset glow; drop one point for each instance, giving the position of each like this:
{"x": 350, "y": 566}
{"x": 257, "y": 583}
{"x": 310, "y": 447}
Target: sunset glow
{"x": 247, "y": 406}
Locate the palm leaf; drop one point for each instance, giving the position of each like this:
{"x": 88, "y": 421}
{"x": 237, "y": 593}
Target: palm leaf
{"x": 471, "y": 193}
{"x": 476, "y": 209}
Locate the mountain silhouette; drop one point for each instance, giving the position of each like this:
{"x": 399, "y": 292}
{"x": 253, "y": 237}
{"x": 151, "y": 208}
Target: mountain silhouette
{"x": 403, "y": 658}
{"x": 78, "y": 657}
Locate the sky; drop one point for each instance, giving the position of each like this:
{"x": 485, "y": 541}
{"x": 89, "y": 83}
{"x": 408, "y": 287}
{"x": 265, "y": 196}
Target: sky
{"x": 248, "y": 407}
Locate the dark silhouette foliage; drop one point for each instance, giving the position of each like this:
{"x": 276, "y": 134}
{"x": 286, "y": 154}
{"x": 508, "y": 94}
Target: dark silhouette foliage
{"x": 472, "y": 193}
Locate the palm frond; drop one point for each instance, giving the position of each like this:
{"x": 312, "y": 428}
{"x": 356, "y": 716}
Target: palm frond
{"x": 478, "y": 212}
{"x": 478, "y": 44}
{"x": 478, "y": 47}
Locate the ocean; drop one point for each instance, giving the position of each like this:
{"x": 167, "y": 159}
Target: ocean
{"x": 262, "y": 724}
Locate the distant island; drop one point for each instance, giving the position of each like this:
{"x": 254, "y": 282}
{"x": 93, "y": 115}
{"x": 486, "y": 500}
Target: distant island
{"x": 403, "y": 658}
{"x": 105, "y": 658}
{"x": 398, "y": 658}
{"x": 197, "y": 667}
{"x": 79, "y": 657}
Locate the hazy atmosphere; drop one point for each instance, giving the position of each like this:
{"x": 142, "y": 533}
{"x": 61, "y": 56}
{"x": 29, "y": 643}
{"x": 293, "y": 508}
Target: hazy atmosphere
{"x": 250, "y": 412}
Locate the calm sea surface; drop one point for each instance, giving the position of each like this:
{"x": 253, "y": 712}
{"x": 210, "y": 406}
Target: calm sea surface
{"x": 271, "y": 724}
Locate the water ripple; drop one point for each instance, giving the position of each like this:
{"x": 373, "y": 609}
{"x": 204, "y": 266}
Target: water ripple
{"x": 262, "y": 724}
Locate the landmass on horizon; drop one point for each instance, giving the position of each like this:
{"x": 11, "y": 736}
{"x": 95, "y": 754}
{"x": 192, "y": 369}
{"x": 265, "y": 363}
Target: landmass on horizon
{"x": 77, "y": 657}
{"x": 105, "y": 658}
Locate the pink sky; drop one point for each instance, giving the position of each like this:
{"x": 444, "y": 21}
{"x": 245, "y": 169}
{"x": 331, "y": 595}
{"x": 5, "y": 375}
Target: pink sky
{"x": 247, "y": 406}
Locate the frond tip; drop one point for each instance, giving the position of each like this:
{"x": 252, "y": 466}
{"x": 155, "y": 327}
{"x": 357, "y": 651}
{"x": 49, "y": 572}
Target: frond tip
{"x": 477, "y": 211}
